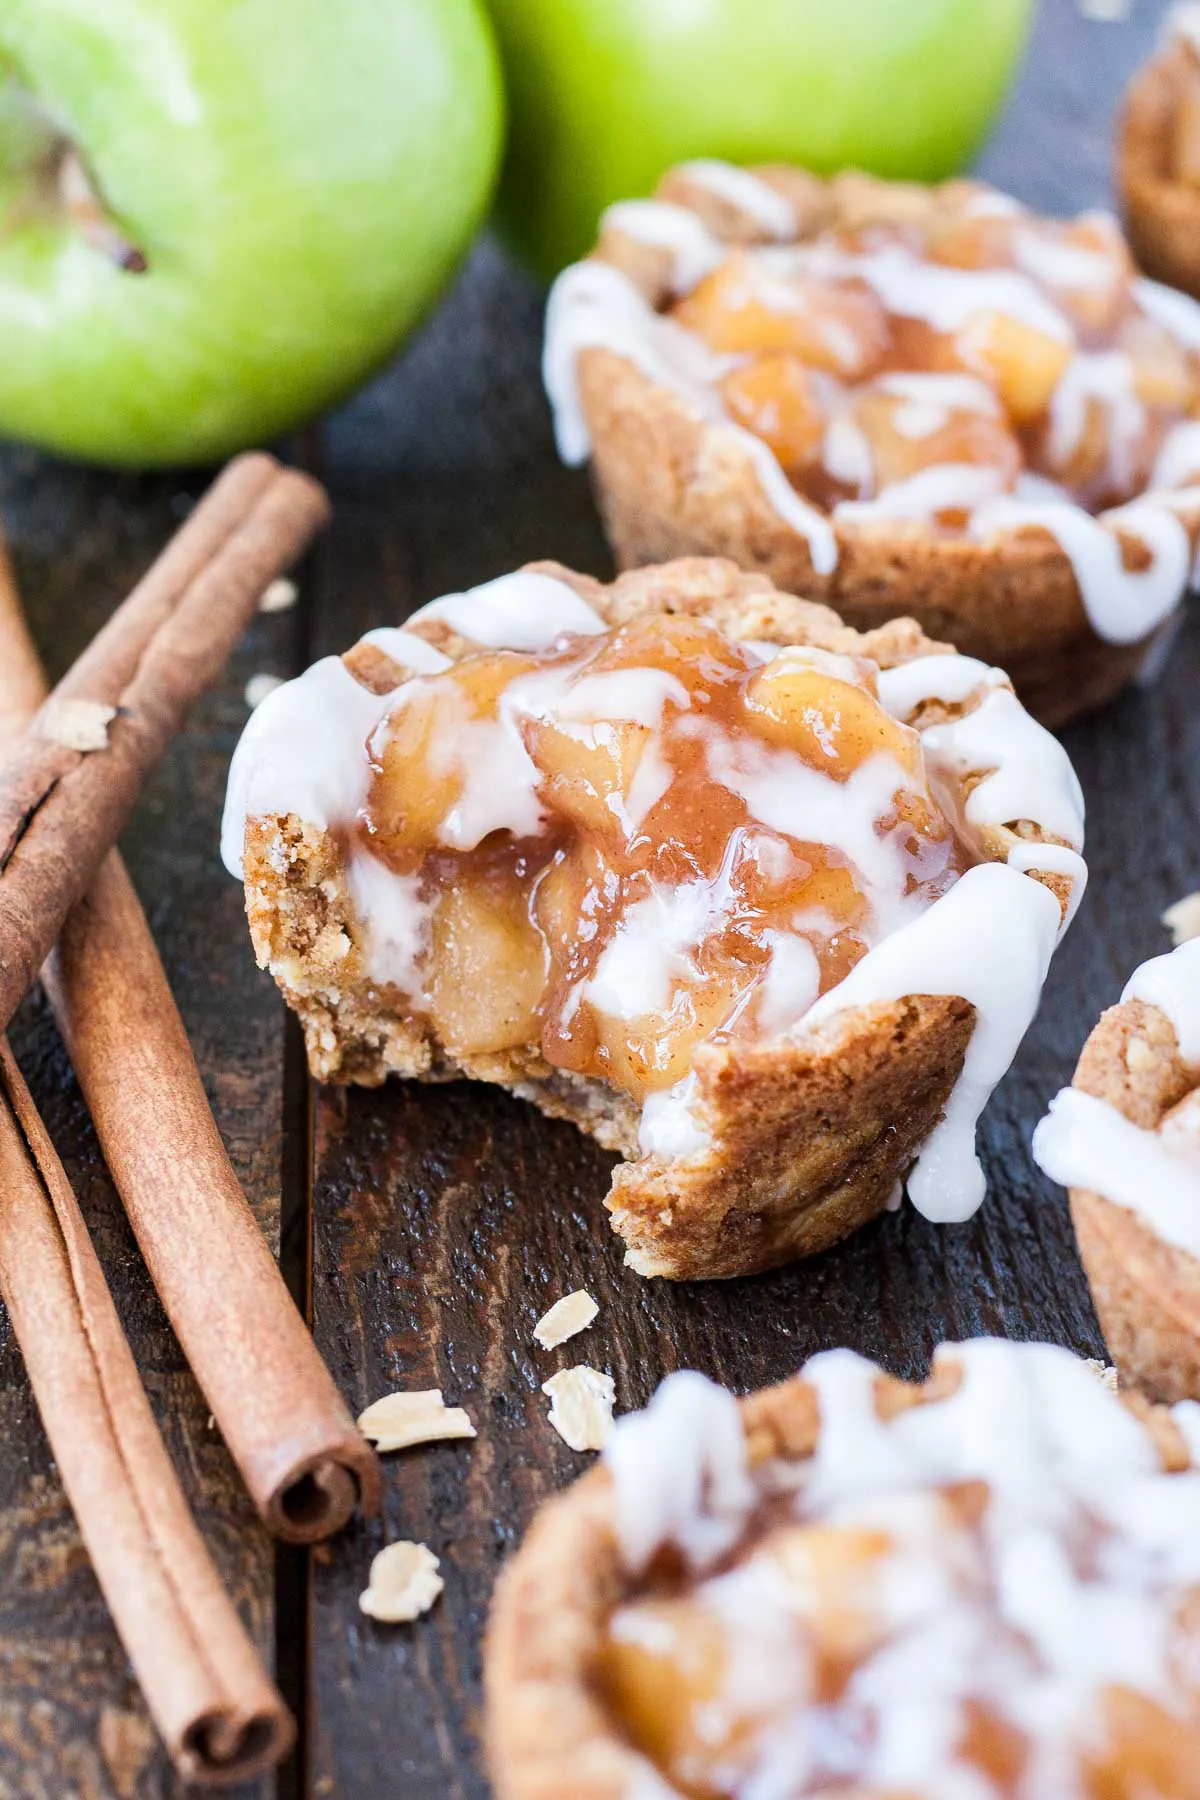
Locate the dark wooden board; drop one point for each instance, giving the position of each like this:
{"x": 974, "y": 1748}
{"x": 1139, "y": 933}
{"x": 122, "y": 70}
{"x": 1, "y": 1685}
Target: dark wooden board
{"x": 445, "y": 1220}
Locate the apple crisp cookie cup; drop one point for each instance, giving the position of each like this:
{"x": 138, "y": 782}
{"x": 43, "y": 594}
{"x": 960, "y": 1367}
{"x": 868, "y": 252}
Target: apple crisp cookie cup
{"x": 1124, "y": 1140}
{"x": 1158, "y": 155}
{"x": 789, "y": 985}
{"x": 849, "y": 1583}
{"x": 940, "y": 419}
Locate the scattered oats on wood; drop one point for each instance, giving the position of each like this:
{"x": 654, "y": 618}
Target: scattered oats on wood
{"x": 398, "y": 1420}
{"x": 278, "y": 595}
{"x": 568, "y": 1316}
{"x": 76, "y": 724}
{"x": 581, "y": 1406}
{"x": 1183, "y": 919}
{"x": 404, "y": 1583}
{"x": 1105, "y": 1374}
{"x": 258, "y": 687}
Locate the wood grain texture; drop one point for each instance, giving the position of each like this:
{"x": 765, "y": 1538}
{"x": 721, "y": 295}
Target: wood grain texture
{"x": 446, "y": 1220}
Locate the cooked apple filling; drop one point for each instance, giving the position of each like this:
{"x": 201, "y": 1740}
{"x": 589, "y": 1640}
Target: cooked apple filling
{"x": 891, "y": 1624}
{"x": 952, "y": 354}
{"x": 649, "y": 837}
{"x": 781, "y": 1662}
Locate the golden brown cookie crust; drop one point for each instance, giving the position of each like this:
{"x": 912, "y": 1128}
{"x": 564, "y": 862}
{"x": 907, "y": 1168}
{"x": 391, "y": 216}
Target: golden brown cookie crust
{"x": 549, "y": 1734}
{"x": 1162, "y": 213}
{"x": 1146, "y": 1292}
{"x": 808, "y": 1139}
{"x": 669, "y": 484}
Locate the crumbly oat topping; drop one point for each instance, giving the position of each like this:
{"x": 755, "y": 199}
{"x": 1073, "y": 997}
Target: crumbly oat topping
{"x": 581, "y": 1406}
{"x": 397, "y": 1421}
{"x": 404, "y": 1583}
{"x": 565, "y": 1319}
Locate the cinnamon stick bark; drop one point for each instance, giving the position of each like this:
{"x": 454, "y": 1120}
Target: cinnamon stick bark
{"x": 62, "y": 806}
{"x": 211, "y": 1700}
{"x": 286, "y": 1426}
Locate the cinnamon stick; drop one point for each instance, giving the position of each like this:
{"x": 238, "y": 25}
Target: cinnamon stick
{"x": 62, "y": 806}
{"x": 302, "y": 1458}
{"x": 211, "y": 1700}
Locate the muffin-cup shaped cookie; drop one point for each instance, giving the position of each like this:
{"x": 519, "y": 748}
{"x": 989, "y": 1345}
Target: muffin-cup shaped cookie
{"x": 791, "y": 1138}
{"x": 1066, "y": 602}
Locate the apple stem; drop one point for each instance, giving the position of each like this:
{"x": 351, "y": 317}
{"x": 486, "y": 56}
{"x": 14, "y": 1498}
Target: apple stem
{"x": 81, "y": 203}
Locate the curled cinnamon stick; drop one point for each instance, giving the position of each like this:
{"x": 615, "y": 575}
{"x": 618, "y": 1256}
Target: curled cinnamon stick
{"x": 288, "y": 1429}
{"x": 61, "y": 807}
{"x": 211, "y": 1700}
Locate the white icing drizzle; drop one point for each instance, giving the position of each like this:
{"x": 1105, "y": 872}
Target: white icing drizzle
{"x": 1021, "y": 1622}
{"x": 680, "y": 1473}
{"x": 953, "y": 393}
{"x": 694, "y": 250}
{"x": 945, "y": 298}
{"x": 811, "y": 524}
{"x": 1178, "y": 459}
{"x": 594, "y": 306}
{"x": 988, "y": 939}
{"x": 1085, "y": 1143}
{"x": 1049, "y": 259}
{"x": 669, "y": 1127}
{"x": 1030, "y": 773}
{"x": 1177, "y": 313}
{"x": 407, "y": 649}
{"x": 945, "y": 487}
{"x": 523, "y": 611}
{"x": 1182, "y": 25}
{"x": 303, "y": 751}
{"x": 391, "y": 922}
{"x": 1106, "y": 377}
{"x": 1172, "y": 983}
{"x": 747, "y": 192}
{"x": 1122, "y": 605}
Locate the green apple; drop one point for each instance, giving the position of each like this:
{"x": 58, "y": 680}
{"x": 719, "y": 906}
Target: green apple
{"x": 606, "y": 94}
{"x": 219, "y": 215}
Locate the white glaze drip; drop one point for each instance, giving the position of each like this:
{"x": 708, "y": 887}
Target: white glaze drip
{"x": 945, "y": 487}
{"x": 1122, "y": 605}
{"x": 747, "y": 192}
{"x": 1177, "y": 313}
{"x": 304, "y": 752}
{"x": 694, "y": 251}
{"x": 1085, "y": 1143}
{"x": 1030, "y": 775}
{"x": 594, "y": 306}
{"x": 989, "y": 939}
{"x": 1178, "y": 460}
{"x": 523, "y": 611}
{"x": 680, "y": 1473}
{"x": 1172, "y": 983}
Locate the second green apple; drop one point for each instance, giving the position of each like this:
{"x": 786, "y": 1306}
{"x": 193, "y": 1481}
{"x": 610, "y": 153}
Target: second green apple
{"x": 606, "y": 94}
